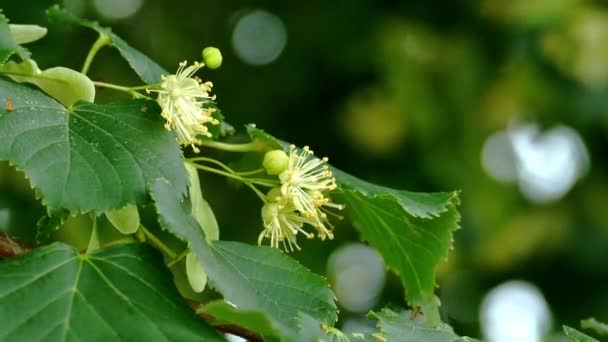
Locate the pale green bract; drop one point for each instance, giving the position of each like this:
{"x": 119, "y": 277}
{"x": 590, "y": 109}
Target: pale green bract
{"x": 23, "y": 34}
{"x": 65, "y": 85}
{"x": 125, "y": 219}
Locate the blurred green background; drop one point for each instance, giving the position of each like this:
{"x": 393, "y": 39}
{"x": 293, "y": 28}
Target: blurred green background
{"x": 505, "y": 100}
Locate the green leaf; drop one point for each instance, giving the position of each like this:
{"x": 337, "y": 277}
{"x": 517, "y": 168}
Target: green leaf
{"x": 416, "y": 204}
{"x": 120, "y": 293}
{"x": 594, "y": 324}
{"x": 148, "y": 70}
{"x": 65, "y": 85}
{"x": 23, "y": 34}
{"x": 310, "y": 330}
{"x": 253, "y": 278}
{"x": 95, "y": 157}
{"x": 125, "y": 219}
{"x": 8, "y": 45}
{"x": 399, "y": 327}
{"x": 412, "y": 232}
{"x": 266, "y": 141}
{"x": 577, "y": 336}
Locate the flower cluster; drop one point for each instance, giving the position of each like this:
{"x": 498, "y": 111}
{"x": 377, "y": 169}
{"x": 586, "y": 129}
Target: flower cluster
{"x": 182, "y": 98}
{"x": 302, "y": 198}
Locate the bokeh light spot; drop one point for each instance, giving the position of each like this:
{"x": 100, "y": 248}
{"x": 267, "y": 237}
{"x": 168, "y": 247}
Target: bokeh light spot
{"x": 498, "y": 157}
{"x": 515, "y": 311}
{"x": 357, "y": 274}
{"x": 77, "y": 7}
{"x": 259, "y": 37}
{"x": 5, "y": 219}
{"x": 546, "y": 165}
{"x": 117, "y": 9}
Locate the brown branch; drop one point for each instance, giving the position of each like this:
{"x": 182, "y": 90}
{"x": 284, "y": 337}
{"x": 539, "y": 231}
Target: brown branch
{"x": 226, "y": 328}
{"x": 10, "y": 247}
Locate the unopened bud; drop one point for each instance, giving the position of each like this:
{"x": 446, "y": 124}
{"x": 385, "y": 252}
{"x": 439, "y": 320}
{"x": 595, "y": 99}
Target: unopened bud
{"x": 275, "y": 162}
{"x": 212, "y": 57}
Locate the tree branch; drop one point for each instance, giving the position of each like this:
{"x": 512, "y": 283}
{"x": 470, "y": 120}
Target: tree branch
{"x": 226, "y": 328}
{"x": 10, "y": 247}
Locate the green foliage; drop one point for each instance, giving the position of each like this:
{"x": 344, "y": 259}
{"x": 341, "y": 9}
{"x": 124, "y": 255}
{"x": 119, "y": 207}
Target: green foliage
{"x": 577, "y": 336}
{"x": 65, "y": 85}
{"x": 401, "y": 328}
{"x": 49, "y": 224}
{"x": 148, "y": 70}
{"x": 57, "y": 294}
{"x": 594, "y": 324}
{"x": 412, "y": 231}
{"x": 8, "y": 46}
{"x": 94, "y": 157}
{"x": 83, "y": 157}
{"x": 252, "y": 278}
{"x": 224, "y": 313}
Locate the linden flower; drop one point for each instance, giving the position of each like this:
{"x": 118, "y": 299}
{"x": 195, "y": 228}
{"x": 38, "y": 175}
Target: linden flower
{"x": 306, "y": 181}
{"x": 281, "y": 225}
{"x": 181, "y": 98}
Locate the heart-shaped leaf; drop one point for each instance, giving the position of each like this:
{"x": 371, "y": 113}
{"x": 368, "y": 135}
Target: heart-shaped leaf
{"x": 122, "y": 293}
{"x": 95, "y": 157}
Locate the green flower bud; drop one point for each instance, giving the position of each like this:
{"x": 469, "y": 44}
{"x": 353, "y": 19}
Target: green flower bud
{"x": 212, "y": 57}
{"x": 275, "y": 162}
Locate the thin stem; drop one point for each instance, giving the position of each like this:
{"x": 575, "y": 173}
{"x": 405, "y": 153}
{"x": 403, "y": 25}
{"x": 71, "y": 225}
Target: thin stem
{"x": 252, "y": 172}
{"x": 226, "y": 167}
{"x": 262, "y": 182}
{"x": 130, "y": 90}
{"x": 237, "y": 177}
{"x": 253, "y": 146}
{"x": 178, "y": 258}
{"x": 101, "y": 41}
{"x": 144, "y": 87}
{"x": 157, "y": 243}
{"x": 213, "y": 161}
{"x": 123, "y": 241}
